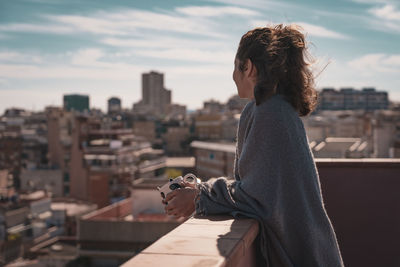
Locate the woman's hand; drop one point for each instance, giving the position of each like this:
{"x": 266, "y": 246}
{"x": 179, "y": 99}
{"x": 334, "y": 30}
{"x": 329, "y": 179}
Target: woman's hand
{"x": 181, "y": 202}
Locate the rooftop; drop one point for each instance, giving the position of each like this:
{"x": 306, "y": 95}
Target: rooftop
{"x": 181, "y": 162}
{"x": 226, "y": 147}
{"x": 73, "y": 208}
{"x": 64, "y": 247}
{"x": 148, "y": 183}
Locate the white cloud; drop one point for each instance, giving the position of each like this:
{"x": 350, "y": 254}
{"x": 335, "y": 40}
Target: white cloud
{"x": 163, "y": 42}
{"x": 96, "y": 59}
{"x": 241, "y": 3}
{"x": 61, "y": 71}
{"x": 93, "y": 63}
{"x": 123, "y": 23}
{"x": 385, "y": 18}
{"x": 216, "y": 70}
{"x": 210, "y": 11}
{"x": 177, "y": 48}
{"x": 81, "y": 64}
{"x": 15, "y": 57}
{"x": 371, "y": 1}
{"x": 42, "y": 28}
{"x": 376, "y": 63}
{"x": 87, "y": 57}
{"x": 387, "y": 12}
{"x": 310, "y": 29}
{"x": 320, "y": 31}
{"x": 131, "y": 22}
{"x": 261, "y": 4}
{"x": 88, "y": 24}
{"x": 188, "y": 54}
{"x": 393, "y": 60}
{"x": 3, "y": 82}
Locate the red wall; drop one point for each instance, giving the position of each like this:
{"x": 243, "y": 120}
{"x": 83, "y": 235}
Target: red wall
{"x": 363, "y": 202}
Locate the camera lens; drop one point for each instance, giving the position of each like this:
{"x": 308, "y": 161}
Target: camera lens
{"x": 174, "y": 186}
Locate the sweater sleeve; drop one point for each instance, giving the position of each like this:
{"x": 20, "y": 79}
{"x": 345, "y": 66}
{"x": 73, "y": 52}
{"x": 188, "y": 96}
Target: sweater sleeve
{"x": 258, "y": 168}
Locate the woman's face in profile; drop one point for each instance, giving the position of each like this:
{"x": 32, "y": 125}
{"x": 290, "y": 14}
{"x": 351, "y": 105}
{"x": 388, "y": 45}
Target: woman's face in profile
{"x": 243, "y": 83}
{"x": 238, "y": 78}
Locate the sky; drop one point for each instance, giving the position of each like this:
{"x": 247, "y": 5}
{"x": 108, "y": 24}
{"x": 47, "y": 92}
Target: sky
{"x": 49, "y": 48}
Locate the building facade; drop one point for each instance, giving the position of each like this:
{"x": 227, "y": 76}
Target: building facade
{"x": 154, "y": 94}
{"x": 351, "y": 99}
{"x": 76, "y": 102}
{"x": 214, "y": 159}
{"x": 114, "y": 105}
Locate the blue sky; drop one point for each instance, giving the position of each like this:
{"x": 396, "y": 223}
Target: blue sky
{"x": 52, "y": 47}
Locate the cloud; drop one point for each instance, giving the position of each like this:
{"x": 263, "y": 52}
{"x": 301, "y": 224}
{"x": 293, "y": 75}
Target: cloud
{"x": 310, "y": 29}
{"x": 26, "y": 72}
{"x": 260, "y": 4}
{"x": 88, "y": 24}
{"x": 213, "y": 11}
{"x": 371, "y": 1}
{"x": 376, "y": 63}
{"x": 387, "y": 12}
{"x": 189, "y": 54}
{"x": 87, "y": 57}
{"x": 3, "y": 82}
{"x": 250, "y": 3}
{"x": 163, "y": 42}
{"x": 96, "y": 64}
{"x": 97, "y": 59}
{"x": 128, "y": 22}
{"x": 319, "y": 31}
{"x": 35, "y": 28}
{"x": 385, "y": 18}
{"x": 15, "y": 57}
{"x": 89, "y": 63}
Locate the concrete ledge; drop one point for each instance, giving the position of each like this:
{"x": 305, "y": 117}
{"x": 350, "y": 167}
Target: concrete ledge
{"x": 355, "y": 163}
{"x": 203, "y": 241}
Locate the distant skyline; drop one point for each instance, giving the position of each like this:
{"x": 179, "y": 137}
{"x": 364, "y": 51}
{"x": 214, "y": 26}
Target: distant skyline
{"x": 49, "y": 48}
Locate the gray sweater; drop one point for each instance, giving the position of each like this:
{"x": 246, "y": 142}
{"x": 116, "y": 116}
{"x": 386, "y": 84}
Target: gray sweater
{"x": 276, "y": 182}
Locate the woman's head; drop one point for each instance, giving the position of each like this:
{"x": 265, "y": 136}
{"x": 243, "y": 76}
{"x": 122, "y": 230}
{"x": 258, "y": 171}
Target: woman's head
{"x": 274, "y": 60}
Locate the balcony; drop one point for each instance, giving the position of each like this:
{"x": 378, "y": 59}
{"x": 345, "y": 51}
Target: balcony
{"x": 362, "y": 200}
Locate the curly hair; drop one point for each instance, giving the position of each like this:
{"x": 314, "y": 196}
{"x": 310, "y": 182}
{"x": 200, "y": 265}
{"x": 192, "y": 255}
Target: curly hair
{"x": 279, "y": 54}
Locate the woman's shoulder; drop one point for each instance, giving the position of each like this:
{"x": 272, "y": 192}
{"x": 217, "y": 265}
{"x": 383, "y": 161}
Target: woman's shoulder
{"x": 247, "y": 110}
{"x": 275, "y": 109}
{"x": 276, "y": 106}
{"x": 249, "y": 106}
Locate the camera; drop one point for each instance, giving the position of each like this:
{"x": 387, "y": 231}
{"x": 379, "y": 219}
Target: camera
{"x": 176, "y": 183}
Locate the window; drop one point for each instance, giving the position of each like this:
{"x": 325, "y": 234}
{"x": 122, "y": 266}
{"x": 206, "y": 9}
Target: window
{"x": 66, "y": 190}
{"x": 66, "y": 177}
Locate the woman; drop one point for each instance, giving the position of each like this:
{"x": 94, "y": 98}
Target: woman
{"x": 276, "y": 181}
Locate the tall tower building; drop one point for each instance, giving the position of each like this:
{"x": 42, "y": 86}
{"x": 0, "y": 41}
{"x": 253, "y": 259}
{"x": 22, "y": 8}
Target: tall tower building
{"x": 153, "y": 92}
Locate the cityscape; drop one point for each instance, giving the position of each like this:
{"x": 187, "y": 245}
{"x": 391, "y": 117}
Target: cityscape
{"x": 64, "y": 167}
{"x": 103, "y": 102}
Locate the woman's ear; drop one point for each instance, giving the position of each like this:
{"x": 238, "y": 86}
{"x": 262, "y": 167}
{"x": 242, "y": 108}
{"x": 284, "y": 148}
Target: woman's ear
{"x": 250, "y": 69}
